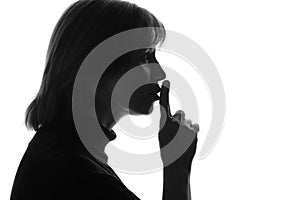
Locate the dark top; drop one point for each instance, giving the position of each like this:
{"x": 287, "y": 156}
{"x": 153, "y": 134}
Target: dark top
{"x": 57, "y": 166}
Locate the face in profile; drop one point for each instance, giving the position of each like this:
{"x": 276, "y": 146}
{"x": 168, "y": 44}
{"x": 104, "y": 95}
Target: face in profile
{"x": 147, "y": 74}
{"x": 133, "y": 83}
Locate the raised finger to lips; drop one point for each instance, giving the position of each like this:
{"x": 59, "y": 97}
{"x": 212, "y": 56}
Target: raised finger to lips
{"x": 179, "y": 116}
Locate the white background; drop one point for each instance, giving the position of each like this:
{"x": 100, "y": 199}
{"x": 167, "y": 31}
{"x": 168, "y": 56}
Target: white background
{"x": 255, "y": 46}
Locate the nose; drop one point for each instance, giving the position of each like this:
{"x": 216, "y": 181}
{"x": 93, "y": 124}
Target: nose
{"x": 158, "y": 73}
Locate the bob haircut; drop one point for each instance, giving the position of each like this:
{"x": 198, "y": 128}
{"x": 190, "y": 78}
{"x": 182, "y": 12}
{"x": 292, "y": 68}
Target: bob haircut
{"x": 84, "y": 25}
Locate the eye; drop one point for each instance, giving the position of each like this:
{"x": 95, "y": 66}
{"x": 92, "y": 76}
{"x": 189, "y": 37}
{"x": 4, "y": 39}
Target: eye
{"x": 149, "y": 54}
{"x": 145, "y": 57}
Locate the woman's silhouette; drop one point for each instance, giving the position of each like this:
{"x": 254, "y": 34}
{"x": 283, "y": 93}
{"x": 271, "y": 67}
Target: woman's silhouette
{"x": 56, "y": 165}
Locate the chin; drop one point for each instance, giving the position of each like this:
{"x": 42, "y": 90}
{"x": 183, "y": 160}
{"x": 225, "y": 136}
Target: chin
{"x": 141, "y": 103}
{"x": 141, "y": 109}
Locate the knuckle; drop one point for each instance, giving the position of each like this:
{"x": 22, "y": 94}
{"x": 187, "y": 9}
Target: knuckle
{"x": 176, "y": 120}
{"x": 187, "y": 122}
{"x": 195, "y": 127}
{"x": 187, "y": 126}
{"x": 180, "y": 112}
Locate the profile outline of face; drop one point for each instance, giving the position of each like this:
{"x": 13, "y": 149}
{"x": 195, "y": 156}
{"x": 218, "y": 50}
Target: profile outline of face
{"x": 137, "y": 69}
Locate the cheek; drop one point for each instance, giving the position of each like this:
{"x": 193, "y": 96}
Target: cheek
{"x": 146, "y": 72}
{"x": 128, "y": 84}
{"x": 141, "y": 72}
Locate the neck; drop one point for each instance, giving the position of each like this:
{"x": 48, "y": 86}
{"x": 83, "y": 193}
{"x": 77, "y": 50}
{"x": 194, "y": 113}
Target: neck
{"x": 96, "y": 143}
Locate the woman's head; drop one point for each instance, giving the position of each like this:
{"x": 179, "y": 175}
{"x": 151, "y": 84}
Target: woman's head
{"x": 83, "y": 26}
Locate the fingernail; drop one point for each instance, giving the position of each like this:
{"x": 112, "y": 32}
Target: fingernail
{"x": 166, "y": 83}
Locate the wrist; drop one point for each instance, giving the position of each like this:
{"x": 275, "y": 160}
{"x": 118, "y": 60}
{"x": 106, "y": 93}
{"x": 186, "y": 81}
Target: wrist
{"x": 176, "y": 184}
{"x": 177, "y": 169}
{"x": 178, "y": 173}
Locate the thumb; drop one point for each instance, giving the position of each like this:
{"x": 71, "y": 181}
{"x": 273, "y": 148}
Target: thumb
{"x": 164, "y": 101}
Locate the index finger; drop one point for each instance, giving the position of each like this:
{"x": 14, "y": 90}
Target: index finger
{"x": 164, "y": 96}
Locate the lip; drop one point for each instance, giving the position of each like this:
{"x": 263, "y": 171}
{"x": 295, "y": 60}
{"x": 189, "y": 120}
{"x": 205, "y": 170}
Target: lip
{"x": 157, "y": 88}
{"x": 152, "y": 88}
{"x": 156, "y": 97}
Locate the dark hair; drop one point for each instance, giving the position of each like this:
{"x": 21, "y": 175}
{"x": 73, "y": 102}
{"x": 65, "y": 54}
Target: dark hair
{"x": 84, "y": 25}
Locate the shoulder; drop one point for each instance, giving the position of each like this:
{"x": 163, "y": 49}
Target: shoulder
{"x": 102, "y": 186}
{"x": 82, "y": 161}
{"x": 64, "y": 170}
{"x": 91, "y": 180}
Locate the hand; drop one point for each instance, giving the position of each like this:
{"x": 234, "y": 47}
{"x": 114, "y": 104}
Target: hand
{"x": 170, "y": 126}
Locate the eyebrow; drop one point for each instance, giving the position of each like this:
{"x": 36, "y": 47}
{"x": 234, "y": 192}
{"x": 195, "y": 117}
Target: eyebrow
{"x": 150, "y": 50}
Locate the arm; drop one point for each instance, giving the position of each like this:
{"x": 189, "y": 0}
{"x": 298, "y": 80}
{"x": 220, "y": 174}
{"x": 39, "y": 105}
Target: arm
{"x": 176, "y": 172}
{"x": 176, "y": 185}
